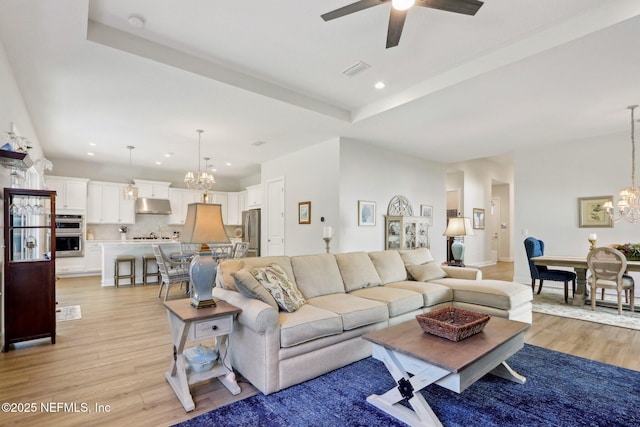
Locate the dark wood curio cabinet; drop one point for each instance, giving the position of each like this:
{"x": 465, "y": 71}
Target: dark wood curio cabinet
{"x": 29, "y": 297}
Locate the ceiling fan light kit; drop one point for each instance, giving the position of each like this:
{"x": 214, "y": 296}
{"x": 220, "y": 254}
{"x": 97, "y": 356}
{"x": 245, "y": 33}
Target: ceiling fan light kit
{"x": 399, "y": 9}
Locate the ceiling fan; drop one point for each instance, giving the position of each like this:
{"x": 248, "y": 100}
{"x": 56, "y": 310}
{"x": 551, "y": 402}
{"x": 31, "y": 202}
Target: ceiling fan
{"x": 399, "y": 12}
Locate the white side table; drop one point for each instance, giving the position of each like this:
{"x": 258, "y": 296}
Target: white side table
{"x": 189, "y": 323}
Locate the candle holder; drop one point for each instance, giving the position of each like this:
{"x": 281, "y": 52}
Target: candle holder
{"x": 327, "y": 241}
{"x": 593, "y": 244}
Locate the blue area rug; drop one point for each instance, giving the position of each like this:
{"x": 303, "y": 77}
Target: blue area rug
{"x": 561, "y": 390}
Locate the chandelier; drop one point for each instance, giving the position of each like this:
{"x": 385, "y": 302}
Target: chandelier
{"x": 628, "y": 206}
{"x": 202, "y": 180}
{"x": 130, "y": 192}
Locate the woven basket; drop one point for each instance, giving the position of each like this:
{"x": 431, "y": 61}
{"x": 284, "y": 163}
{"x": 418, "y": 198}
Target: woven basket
{"x": 452, "y": 323}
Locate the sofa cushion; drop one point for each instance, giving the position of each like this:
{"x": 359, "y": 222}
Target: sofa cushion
{"x": 225, "y": 272}
{"x": 398, "y": 301}
{"x": 491, "y": 293}
{"x": 354, "y": 311}
{"x": 248, "y": 286}
{"x": 389, "y": 266}
{"x": 274, "y": 278}
{"x": 432, "y": 293}
{"x": 317, "y": 274}
{"x": 282, "y": 261}
{"x": 426, "y": 272}
{"x": 357, "y": 271}
{"x": 416, "y": 256}
{"x": 307, "y": 324}
{"x": 228, "y": 266}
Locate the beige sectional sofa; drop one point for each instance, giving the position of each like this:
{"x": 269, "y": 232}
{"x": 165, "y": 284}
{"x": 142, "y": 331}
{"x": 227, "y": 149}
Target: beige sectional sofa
{"x": 346, "y": 296}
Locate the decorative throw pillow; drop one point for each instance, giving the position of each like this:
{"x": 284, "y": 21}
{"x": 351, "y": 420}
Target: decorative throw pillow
{"x": 226, "y": 270}
{"x": 248, "y": 286}
{"x": 426, "y": 272}
{"x": 281, "y": 288}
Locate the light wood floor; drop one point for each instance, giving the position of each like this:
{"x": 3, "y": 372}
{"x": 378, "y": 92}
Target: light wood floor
{"x": 118, "y": 353}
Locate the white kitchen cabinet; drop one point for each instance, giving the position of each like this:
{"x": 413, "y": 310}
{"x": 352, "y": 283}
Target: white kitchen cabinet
{"x": 106, "y": 205}
{"x": 236, "y": 203}
{"x": 92, "y": 257}
{"x": 152, "y": 189}
{"x": 71, "y": 193}
{"x": 254, "y": 196}
{"x": 180, "y": 199}
{"x": 220, "y": 198}
{"x": 72, "y": 266}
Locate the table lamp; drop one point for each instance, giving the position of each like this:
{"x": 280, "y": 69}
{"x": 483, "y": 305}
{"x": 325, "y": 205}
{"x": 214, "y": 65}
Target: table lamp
{"x": 457, "y": 228}
{"x": 203, "y": 225}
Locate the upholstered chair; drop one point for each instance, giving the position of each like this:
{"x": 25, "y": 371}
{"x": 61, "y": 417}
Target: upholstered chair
{"x": 534, "y": 248}
{"x": 607, "y": 267}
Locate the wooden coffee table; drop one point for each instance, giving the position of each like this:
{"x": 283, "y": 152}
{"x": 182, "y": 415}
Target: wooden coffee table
{"x": 405, "y": 349}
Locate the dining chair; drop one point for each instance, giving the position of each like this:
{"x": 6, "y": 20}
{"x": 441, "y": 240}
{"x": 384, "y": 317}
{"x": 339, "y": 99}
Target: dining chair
{"x": 535, "y": 247}
{"x": 221, "y": 251}
{"x": 240, "y": 250}
{"x": 171, "y": 271}
{"x": 607, "y": 267}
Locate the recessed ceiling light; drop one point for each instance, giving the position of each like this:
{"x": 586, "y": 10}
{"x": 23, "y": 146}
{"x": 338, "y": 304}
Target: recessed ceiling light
{"x": 92, "y": 144}
{"x": 136, "y": 21}
{"x": 379, "y": 85}
{"x": 212, "y": 169}
{"x": 228, "y": 163}
{"x": 158, "y": 163}
{"x": 168, "y": 155}
{"x": 90, "y": 154}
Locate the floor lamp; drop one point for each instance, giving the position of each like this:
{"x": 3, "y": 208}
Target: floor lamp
{"x": 203, "y": 225}
{"x": 457, "y": 228}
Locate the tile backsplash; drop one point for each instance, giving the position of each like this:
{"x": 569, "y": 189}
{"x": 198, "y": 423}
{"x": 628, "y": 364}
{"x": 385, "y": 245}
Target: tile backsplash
{"x": 144, "y": 226}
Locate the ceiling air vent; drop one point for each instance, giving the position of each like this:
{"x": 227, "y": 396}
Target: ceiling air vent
{"x": 355, "y": 69}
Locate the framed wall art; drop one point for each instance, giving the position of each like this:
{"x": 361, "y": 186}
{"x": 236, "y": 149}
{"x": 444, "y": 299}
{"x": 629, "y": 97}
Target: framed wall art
{"x": 478, "y": 219}
{"x": 304, "y": 213}
{"x": 427, "y": 211}
{"x": 591, "y": 212}
{"x": 366, "y": 213}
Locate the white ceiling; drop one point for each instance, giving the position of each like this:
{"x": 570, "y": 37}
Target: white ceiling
{"x": 520, "y": 72}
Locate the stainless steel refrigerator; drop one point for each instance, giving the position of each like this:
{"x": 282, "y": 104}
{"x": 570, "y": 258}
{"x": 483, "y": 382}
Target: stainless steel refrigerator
{"x": 251, "y": 231}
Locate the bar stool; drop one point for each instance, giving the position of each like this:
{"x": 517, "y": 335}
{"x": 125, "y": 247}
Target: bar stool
{"x": 146, "y": 258}
{"x": 132, "y": 269}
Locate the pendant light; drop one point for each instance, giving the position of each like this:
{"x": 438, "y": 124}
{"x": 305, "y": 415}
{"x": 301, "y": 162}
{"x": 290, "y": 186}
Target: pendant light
{"x": 628, "y": 206}
{"x": 130, "y": 192}
{"x": 201, "y": 180}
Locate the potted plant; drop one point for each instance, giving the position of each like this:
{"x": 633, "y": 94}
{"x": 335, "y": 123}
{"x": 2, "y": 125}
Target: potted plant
{"x": 630, "y": 250}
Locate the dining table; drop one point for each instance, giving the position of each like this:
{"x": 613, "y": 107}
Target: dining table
{"x": 579, "y": 265}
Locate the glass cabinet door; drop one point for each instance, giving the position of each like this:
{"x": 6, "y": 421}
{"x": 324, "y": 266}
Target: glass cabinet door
{"x": 29, "y": 227}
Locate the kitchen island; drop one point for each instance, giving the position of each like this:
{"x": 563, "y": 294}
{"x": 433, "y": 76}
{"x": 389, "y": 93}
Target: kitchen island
{"x": 137, "y": 248}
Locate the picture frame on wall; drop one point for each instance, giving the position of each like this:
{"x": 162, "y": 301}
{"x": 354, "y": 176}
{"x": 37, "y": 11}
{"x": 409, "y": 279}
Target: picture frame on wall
{"x": 304, "y": 213}
{"x": 427, "y": 211}
{"x": 592, "y": 214}
{"x": 478, "y": 219}
{"x": 366, "y": 213}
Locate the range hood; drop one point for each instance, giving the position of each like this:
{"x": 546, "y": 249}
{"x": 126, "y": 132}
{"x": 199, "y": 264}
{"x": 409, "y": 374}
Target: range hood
{"x": 145, "y": 205}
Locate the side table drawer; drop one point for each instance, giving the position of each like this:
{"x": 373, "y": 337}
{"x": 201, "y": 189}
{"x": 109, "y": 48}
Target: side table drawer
{"x": 211, "y": 328}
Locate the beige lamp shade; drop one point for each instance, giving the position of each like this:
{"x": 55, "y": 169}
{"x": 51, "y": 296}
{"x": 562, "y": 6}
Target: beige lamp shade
{"x": 204, "y": 224}
{"x": 459, "y": 226}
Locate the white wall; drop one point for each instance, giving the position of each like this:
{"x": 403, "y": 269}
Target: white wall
{"x": 373, "y": 174}
{"x": 548, "y": 183}
{"x": 310, "y": 175}
{"x": 13, "y": 112}
{"x": 479, "y": 177}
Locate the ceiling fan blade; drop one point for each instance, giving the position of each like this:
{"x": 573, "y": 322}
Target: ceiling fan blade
{"x": 352, "y": 8}
{"x": 396, "y": 23}
{"x": 466, "y": 7}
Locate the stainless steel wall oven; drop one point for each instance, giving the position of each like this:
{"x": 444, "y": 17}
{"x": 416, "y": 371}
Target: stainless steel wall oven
{"x": 69, "y": 235}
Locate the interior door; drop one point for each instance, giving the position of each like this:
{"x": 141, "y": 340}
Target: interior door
{"x": 275, "y": 217}
{"x": 494, "y": 228}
